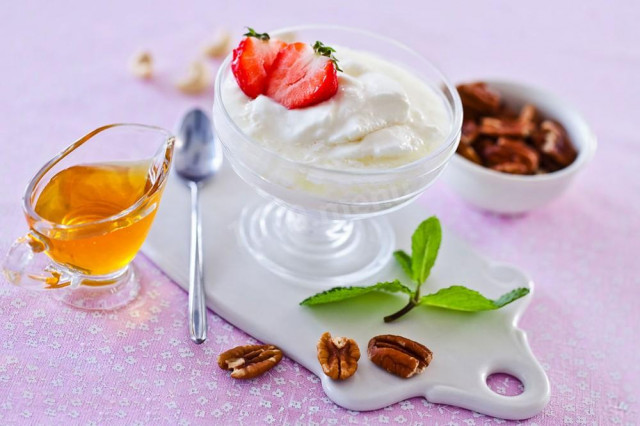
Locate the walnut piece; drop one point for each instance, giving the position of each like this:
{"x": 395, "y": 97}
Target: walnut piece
{"x": 219, "y": 46}
{"x": 197, "y": 80}
{"x": 478, "y": 98}
{"x": 398, "y": 355}
{"x": 338, "y": 356}
{"x": 247, "y": 362}
{"x": 142, "y": 65}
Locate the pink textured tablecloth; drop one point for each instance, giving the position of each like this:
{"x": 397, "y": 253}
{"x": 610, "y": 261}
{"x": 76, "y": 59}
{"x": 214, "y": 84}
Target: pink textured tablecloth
{"x": 64, "y": 72}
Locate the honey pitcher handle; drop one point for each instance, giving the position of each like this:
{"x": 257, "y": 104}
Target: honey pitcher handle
{"x": 27, "y": 265}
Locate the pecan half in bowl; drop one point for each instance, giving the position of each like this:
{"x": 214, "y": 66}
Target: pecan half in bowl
{"x": 500, "y": 160}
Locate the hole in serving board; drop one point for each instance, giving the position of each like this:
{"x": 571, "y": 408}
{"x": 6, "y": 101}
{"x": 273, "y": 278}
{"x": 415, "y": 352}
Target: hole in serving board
{"x": 505, "y": 384}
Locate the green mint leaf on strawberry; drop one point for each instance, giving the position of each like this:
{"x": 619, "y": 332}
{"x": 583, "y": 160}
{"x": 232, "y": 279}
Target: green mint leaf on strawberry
{"x": 323, "y": 50}
{"x": 337, "y": 294}
{"x": 425, "y": 244}
{"x": 252, "y": 33}
{"x": 461, "y": 298}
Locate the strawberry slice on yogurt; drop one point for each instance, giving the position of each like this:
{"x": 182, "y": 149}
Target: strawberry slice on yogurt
{"x": 253, "y": 60}
{"x": 303, "y": 75}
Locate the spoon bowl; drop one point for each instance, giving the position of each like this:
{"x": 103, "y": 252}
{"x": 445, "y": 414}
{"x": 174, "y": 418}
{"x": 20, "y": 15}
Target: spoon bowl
{"x": 197, "y": 155}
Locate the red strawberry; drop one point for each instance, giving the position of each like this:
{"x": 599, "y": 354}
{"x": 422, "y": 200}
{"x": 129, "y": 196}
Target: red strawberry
{"x": 302, "y": 76}
{"x": 253, "y": 60}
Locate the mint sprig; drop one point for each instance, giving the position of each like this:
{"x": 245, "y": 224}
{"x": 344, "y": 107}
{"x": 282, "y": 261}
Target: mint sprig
{"x": 321, "y": 49}
{"x": 425, "y": 244}
{"x": 252, "y": 33}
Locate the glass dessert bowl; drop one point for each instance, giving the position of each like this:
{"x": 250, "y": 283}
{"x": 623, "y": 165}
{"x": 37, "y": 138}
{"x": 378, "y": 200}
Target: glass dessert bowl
{"x": 329, "y": 172}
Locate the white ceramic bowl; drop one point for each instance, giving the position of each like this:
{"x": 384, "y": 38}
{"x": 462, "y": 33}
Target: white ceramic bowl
{"x": 505, "y": 193}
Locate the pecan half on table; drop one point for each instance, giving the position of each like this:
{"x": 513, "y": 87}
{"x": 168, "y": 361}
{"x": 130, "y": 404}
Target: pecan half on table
{"x": 247, "y": 362}
{"x": 399, "y": 355}
{"x": 338, "y": 356}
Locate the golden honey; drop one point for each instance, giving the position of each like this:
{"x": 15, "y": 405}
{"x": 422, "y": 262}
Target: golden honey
{"x": 102, "y": 214}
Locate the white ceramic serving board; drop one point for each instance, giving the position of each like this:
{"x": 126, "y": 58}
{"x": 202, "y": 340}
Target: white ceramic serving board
{"x": 466, "y": 347}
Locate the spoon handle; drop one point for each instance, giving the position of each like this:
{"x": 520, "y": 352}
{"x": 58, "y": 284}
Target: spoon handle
{"x": 197, "y": 308}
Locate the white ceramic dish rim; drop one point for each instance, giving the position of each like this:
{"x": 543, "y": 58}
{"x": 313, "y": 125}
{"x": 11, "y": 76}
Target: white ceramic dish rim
{"x": 585, "y": 153}
{"x": 452, "y": 138}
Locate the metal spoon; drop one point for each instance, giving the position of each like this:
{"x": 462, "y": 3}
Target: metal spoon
{"x": 197, "y": 158}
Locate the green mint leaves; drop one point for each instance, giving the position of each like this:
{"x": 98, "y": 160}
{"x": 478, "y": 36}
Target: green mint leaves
{"x": 459, "y": 298}
{"x": 425, "y": 244}
{"x": 405, "y": 262}
{"x": 252, "y": 33}
{"x": 323, "y": 50}
{"x": 341, "y": 293}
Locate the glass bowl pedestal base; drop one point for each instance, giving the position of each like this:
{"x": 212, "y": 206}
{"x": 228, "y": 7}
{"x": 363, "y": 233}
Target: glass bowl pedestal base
{"x": 315, "y": 251}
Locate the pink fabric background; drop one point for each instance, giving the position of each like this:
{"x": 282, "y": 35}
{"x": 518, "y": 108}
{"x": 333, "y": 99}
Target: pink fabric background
{"x": 64, "y": 72}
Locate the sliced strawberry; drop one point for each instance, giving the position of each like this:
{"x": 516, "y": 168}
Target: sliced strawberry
{"x": 303, "y": 76}
{"x": 253, "y": 60}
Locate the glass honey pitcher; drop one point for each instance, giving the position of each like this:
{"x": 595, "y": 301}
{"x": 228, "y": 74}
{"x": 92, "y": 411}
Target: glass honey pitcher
{"x": 89, "y": 210}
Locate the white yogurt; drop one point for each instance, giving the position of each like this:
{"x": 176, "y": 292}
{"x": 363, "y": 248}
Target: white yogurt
{"x": 381, "y": 117}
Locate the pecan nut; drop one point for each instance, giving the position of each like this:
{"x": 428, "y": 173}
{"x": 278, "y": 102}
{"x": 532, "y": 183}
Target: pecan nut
{"x": 468, "y": 137}
{"x": 553, "y": 142}
{"x": 338, "y": 356}
{"x": 513, "y": 168}
{"x": 469, "y": 132}
{"x": 528, "y": 114}
{"x": 399, "y": 355}
{"x": 505, "y": 127}
{"x": 478, "y": 98}
{"x": 469, "y": 152}
{"x": 247, "y": 362}
{"x": 512, "y": 156}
